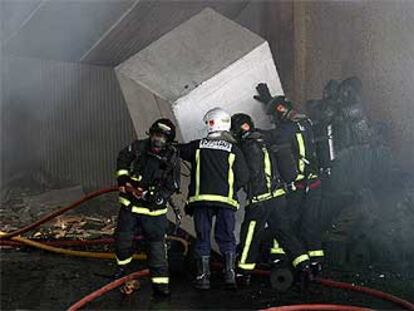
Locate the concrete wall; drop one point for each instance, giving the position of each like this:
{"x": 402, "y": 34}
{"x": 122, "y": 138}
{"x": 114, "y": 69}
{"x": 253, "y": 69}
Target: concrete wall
{"x": 369, "y": 39}
{"x": 63, "y": 119}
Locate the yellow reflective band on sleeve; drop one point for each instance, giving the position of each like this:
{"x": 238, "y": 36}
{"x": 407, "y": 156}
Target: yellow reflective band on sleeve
{"x": 267, "y": 196}
{"x": 232, "y": 157}
{"x": 137, "y": 178}
{"x": 302, "y": 155}
{"x": 247, "y": 266}
{"x": 213, "y": 198}
{"x": 197, "y": 177}
{"x": 299, "y": 260}
{"x": 148, "y": 212}
{"x": 268, "y": 169}
{"x": 276, "y": 249}
{"x": 279, "y": 192}
{"x": 123, "y": 262}
{"x": 316, "y": 253}
{"x": 124, "y": 201}
{"x": 160, "y": 280}
{"x": 248, "y": 242}
{"x": 122, "y": 172}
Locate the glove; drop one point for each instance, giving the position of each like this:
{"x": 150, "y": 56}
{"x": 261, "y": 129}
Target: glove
{"x": 290, "y": 187}
{"x": 189, "y": 210}
{"x": 264, "y": 93}
{"x": 123, "y": 180}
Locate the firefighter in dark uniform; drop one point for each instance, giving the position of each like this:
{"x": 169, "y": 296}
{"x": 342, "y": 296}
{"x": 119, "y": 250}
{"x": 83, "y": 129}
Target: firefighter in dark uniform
{"x": 305, "y": 199}
{"x": 151, "y": 167}
{"x": 266, "y": 201}
{"x": 218, "y": 172}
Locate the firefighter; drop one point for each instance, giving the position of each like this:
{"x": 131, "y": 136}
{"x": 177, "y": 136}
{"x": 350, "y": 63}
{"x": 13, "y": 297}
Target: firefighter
{"x": 151, "y": 168}
{"x": 218, "y": 172}
{"x": 266, "y": 202}
{"x": 305, "y": 198}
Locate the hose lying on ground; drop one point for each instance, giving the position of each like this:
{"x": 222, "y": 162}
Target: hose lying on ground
{"x": 12, "y": 236}
{"x": 58, "y": 212}
{"x": 368, "y": 291}
{"x": 342, "y": 285}
{"x": 106, "y": 241}
{"x": 100, "y": 255}
{"x": 107, "y": 288}
{"x": 317, "y": 307}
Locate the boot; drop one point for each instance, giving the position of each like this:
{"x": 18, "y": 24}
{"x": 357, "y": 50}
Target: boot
{"x": 161, "y": 290}
{"x": 230, "y": 270}
{"x": 304, "y": 277}
{"x": 243, "y": 278}
{"x": 119, "y": 273}
{"x": 202, "y": 280}
{"x": 316, "y": 268}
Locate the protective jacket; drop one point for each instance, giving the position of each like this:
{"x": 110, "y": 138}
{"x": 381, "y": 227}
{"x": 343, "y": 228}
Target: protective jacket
{"x": 298, "y": 136}
{"x": 157, "y": 175}
{"x": 266, "y": 168}
{"x": 218, "y": 171}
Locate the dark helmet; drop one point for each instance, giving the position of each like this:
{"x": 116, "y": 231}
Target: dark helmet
{"x": 279, "y": 107}
{"x": 330, "y": 91}
{"x": 314, "y": 109}
{"x": 241, "y": 123}
{"x": 161, "y": 132}
{"x": 349, "y": 91}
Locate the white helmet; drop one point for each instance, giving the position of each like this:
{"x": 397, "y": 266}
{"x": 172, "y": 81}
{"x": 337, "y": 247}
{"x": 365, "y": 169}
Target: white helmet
{"x": 217, "y": 120}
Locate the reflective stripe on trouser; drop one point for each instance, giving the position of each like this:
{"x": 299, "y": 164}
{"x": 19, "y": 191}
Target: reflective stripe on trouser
{"x": 153, "y": 229}
{"x": 299, "y": 260}
{"x": 281, "y": 229}
{"x": 252, "y": 234}
{"x": 160, "y": 280}
{"x": 158, "y": 262}
{"x": 316, "y": 254}
{"x": 304, "y": 211}
{"x": 123, "y": 262}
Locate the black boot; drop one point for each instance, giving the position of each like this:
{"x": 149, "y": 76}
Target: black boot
{"x": 161, "y": 290}
{"x": 202, "y": 280}
{"x": 119, "y": 273}
{"x": 316, "y": 268}
{"x": 304, "y": 277}
{"x": 230, "y": 270}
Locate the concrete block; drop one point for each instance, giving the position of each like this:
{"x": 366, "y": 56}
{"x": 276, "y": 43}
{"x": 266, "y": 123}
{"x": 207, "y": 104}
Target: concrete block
{"x": 208, "y": 61}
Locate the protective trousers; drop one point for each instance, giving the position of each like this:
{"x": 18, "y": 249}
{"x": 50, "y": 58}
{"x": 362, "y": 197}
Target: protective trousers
{"x": 304, "y": 209}
{"x": 154, "y": 231}
{"x": 273, "y": 212}
{"x": 224, "y": 229}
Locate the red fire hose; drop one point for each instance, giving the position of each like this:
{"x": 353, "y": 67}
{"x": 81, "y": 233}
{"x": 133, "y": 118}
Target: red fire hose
{"x": 317, "y": 307}
{"x": 342, "y": 285}
{"x": 92, "y": 242}
{"x": 325, "y": 282}
{"x": 58, "y": 212}
{"x": 107, "y": 288}
{"x": 368, "y": 291}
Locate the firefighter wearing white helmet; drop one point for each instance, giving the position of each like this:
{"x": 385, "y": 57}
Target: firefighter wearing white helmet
{"x": 218, "y": 172}
{"x": 217, "y": 121}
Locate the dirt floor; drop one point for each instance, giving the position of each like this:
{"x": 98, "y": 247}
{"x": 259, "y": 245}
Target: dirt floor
{"x": 42, "y": 281}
